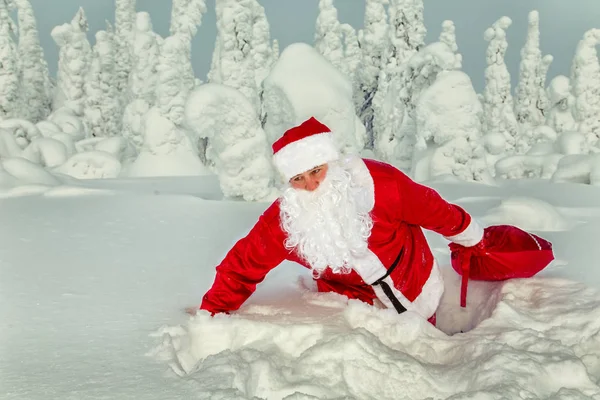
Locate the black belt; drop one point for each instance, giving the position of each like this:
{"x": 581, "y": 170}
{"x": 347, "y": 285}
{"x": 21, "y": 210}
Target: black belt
{"x": 386, "y": 288}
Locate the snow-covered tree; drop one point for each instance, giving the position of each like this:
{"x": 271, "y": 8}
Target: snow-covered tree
{"x": 142, "y": 79}
{"x": 73, "y": 63}
{"x": 560, "y": 113}
{"x": 328, "y": 34}
{"x": 406, "y": 38}
{"x": 35, "y": 80}
{"x": 124, "y": 22}
{"x": 585, "y": 81}
{"x": 394, "y": 125}
{"x": 237, "y": 49}
{"x": 102, "y": 108}
{"x": 407, "y": 29}
{"x": 242, "y": 154}
{"x": 10, "y": 106}
{"x": 531, "y": 100}
{"x": 497, "y": 98}
{"x": 173, "y": 85}
{"x": 352, "y": 53}
{"x": 373, "y": 42}
{"x": 263, "y": 55}
{"x": 168, "y": 148}
{"x": 448, "y": 36}
{"x": 449, "y": 126}
{"x": 186, "y": 16}
{"x": 146, "y": 52}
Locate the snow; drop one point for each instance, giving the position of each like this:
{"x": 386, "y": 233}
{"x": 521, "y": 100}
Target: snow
{"x": 167, "y": 150}
{"x": 303, "y": 84}
{"x": 98, "y": 296}
{"x": 239, "y": 146}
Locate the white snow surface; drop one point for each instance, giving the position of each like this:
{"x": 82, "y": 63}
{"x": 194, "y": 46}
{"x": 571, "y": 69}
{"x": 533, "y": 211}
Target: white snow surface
{"x": 96, "y": 273}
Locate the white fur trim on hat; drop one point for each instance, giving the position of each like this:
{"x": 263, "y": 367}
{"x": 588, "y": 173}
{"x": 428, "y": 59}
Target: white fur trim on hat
{"x": 302, "y": 155}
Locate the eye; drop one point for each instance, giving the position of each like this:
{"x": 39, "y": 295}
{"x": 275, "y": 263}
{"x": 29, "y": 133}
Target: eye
{"x": 297, "y": 178}
{"x": 315, "y": 171}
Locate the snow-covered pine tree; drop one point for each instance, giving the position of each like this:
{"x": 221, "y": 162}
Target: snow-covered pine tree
{"x": 166, "y": 141}
{"x": 239, "y": 144}
{"x": 449, "y": 126}
{"x": 530, "y": 91}
{"x": 146, "y": 51}
{"x": 373, "y": 41}
{"x": 173, "y": 85}
{"x": 406, "y": 38}
{"x": 352, "y": 52}
{"x": 448, "y": 36}
{"x": 142, "y": 79}
{"x": 263, "y": 56}
{"x": 186, "y": 16}
{"x": 585, "y": 82}
{"x": 328, "y": 34}
{"x": 37, "y": 100}
{"x": 499, "y": 116}
{"x": 560, "y": 114}
{"x": 124, "y": 22}
{"x": 233, "y": 56}
{"x": 73, "y": 62}
{"x": 9, "y": 67}
{"x": 102, "y": 108}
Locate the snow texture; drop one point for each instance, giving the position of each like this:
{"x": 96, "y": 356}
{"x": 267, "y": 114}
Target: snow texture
{"x": 10, "y": 86}
{"x": 328, "y": 34}
{"x": 167, "y": 150}
{"x": 102, "y": 107}
{"x": 302, "y": 84}
{"x": 35, "y": 80}
{"x": 73, "y": 63}
{"x": 585, "y": 81}
{"x": 373, "y": 43}
{"x": 239, "y": 144}
{"x": 449, "y": 125}
{"x": 497, "y": 97}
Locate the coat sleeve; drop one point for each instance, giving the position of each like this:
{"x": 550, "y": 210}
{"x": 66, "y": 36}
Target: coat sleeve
{"x": 423, "y": 206}
{"x": 246, "y": 265}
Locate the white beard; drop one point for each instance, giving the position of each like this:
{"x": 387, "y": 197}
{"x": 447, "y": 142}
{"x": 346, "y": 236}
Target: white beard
{"x": 329, "y": 226}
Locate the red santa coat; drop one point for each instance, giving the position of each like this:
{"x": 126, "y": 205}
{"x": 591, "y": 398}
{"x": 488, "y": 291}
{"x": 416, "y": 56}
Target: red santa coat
{"x": 399, "y": 208}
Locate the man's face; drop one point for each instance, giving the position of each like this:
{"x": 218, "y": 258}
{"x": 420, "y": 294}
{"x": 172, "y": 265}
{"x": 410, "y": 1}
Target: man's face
{"x": 311, "y": 179}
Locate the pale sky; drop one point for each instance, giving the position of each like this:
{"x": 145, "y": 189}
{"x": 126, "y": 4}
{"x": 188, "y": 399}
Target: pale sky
{"x": 562, "y": 23}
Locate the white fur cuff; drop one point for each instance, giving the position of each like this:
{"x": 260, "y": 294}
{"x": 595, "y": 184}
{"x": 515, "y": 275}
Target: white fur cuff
{"x": 302, "y": 155}
{"x": 470, "y": 236}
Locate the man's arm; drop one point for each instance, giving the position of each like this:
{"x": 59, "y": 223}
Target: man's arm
{"x": 246, "y": 265}
{"x": 423, "y": 206}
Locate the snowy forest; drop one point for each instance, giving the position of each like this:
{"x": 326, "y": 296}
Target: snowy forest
{"x": 129, "y": 104}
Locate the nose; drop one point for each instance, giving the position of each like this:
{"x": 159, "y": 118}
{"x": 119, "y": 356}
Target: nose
{"x": 312, "y": 184}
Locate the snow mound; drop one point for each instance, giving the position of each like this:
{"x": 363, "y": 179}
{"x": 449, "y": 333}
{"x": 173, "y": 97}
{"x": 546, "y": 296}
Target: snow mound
{"x": 578, "y": 168}
{"x": 360, "y": 351}
{"x": 91, "y": 165}
{"x": 303, "y": 84}
{"x": 26, "y": 171}
{"x": 167, "y": 150}
{"x": 529, "y": 214}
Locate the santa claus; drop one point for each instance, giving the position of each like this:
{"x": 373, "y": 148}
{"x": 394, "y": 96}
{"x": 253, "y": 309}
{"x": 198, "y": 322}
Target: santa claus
{"x": 356, "y": 223}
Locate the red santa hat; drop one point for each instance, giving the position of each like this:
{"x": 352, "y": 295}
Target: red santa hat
{"x": 304, "y": 147}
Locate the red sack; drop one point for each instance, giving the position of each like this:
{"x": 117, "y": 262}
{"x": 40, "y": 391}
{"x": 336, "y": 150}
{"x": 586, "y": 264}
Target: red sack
{"x": 505, "y": 252}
